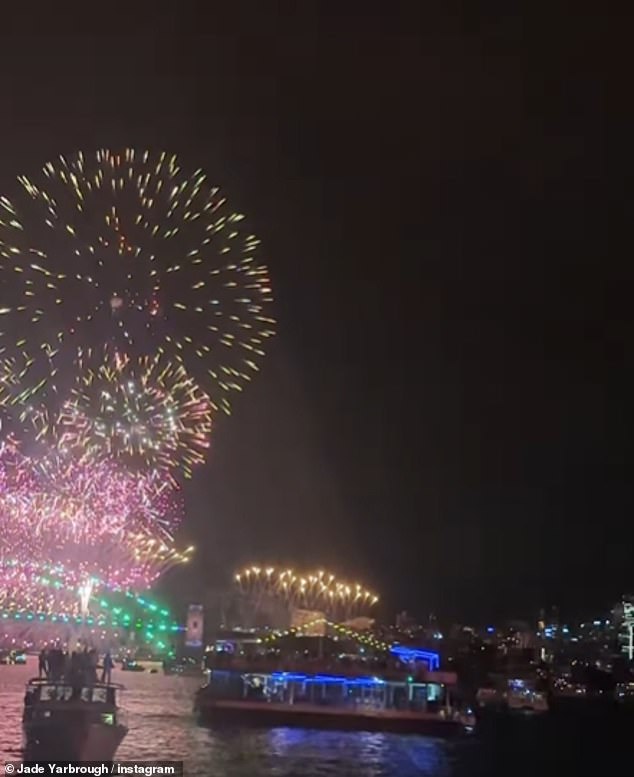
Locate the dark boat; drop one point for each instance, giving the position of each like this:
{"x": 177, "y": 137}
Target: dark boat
{"x": 71, "y": 723}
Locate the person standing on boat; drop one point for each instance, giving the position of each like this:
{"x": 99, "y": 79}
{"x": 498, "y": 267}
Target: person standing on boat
{"x": 42, "y": 663}
{"x": 108, "y": 664}
{"x": 54, "y": 664}
{"x": 76, "y": 676}
{"x": 93, "y": 660}
{"x": 65, "y": 661}
{"x": 85, "y": 664}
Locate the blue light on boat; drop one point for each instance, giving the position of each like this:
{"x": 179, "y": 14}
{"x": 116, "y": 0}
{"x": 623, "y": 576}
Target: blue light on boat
{"x": 416, "y": 654}
{"x": 326, "y": 678}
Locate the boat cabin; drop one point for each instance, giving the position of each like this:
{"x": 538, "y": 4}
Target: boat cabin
{"x": 49, "y": 699}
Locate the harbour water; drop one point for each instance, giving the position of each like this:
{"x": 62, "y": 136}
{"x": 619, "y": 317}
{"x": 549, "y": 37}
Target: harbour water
{"x": 159, "y": 716}
{"x": 162, "y": 726}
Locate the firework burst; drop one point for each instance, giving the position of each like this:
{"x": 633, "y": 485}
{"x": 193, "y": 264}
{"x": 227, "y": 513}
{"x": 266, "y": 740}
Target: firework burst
{"x": 129, "y": 245}
{"x": 318, "y": 590}
{"x": 149, "y": 415}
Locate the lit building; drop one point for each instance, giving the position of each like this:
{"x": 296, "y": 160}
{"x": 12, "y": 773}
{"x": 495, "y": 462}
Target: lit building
{"x": 623, "y": 614}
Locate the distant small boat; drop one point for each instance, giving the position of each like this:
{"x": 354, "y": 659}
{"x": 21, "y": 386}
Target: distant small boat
{"x": 71, "y": 723}
{"x": 186, "y": 667}
{"x": 624, "y": 693}
{"x": 527, "y": 701}
{"x": 519, "y": 696}
{"x": 130, "y": 665}
{"x": 12, "y": 657}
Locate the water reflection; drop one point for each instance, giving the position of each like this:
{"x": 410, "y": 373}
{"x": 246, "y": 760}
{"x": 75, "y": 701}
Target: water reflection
{"x": 367, "y": 754}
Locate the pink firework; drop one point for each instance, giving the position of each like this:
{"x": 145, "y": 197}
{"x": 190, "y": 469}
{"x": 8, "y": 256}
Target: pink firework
{"x": 65, "y": 587}
{"x": 64, "y": 500}
{"x": 99, "y": 521}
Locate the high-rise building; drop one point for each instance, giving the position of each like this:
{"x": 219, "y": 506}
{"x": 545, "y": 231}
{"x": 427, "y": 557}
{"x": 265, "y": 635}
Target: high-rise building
{"x": 623, "y": 615}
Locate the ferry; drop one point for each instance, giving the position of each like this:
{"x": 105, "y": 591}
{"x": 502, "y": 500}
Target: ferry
{"x": 71, "y": 723}
{"x": 326, "y": 675}
{"x": 321, "y": 701}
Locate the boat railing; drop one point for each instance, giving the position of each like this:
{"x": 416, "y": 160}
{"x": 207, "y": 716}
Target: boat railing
{"x": 39, "y": 682}
{"x": 386, "y": 670}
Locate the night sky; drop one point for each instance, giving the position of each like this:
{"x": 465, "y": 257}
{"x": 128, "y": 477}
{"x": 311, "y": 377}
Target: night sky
{"x": 446, "y": 412}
